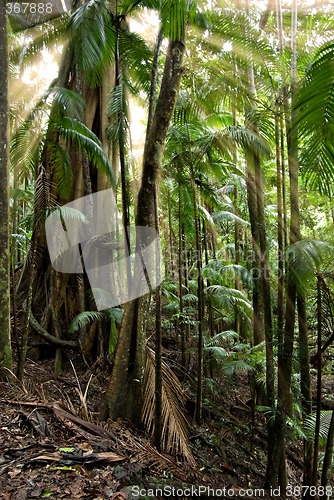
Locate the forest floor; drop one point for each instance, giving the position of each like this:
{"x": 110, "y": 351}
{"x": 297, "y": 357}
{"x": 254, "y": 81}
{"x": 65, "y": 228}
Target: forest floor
{"x": 53, "y": 445}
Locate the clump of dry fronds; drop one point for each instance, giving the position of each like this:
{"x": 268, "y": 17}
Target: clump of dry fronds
{"x": 83, "y": 410}
{"x": 175, "y": 425}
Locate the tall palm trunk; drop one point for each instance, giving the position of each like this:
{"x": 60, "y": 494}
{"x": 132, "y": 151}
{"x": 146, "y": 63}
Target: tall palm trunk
{"x": 124, "y": 395}
{"x": 319, "y": 383}
{"x": 284, "y": 405}
{"x": 200, "y": 305}
{"x": 256, "y": 202}
{"x": 5, "y": 338}
{"x": 181, "y": 265}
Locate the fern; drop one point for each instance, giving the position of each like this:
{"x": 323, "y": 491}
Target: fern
{"x": 310, "y": 424}
{"x": 84, "y": 319}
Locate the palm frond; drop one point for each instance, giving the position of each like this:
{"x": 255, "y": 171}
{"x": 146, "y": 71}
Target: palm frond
{"x": 73, "y": 130}
{"x": 173, "y": 18}
{"x": 304, "y": 259}
{"x": 228, "y": 298}
{"x": 219, "y": 338}
{"x": 190, "y": 299}
{"x": 175, "y": 425}
{"x": 68, "y": 102}
{"x": 61, "y": 167}
{"x": 93, "y": 37}
{"x": 216, "y": 352}
{"x": 24, "y": 148}
{"x": 49, "y": 34}
{"x": 310, "y": 424}
{"x": 137, "y": 61}
{"x": 41, "y": 195}
{"x": 113, "y": 337}
{"x": 314, "y": 121}
{"x": 84, "y": 319}
{"x": 115, "y": 314}
{"x": 225, "y": 215}
{"x": 236, "y": 367}
{"x": 69, "y": 213}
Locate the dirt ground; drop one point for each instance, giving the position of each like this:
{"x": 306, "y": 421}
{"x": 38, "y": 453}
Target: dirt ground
{"x": 53, "y": 445}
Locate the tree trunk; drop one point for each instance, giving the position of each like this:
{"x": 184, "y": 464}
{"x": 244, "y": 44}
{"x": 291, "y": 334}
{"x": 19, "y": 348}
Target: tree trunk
{"x": 319, "y": 384}
{"x": 305, "y": 384}
{"x": 124, "y": 397}
{"x": 327, "y": 465}
{"x": 200, "y": 305}
{"x": 5, "y": 335}
{"x": 276, "y": 475}
{"x": 158, "y": 343}
{"x": 181, "y": 265}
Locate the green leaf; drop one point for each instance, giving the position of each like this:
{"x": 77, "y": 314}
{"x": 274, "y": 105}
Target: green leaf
{"x": 314, "y": 121}
{"x": 113, "y": 337}
{"x": 173, "y": 18}
{"x": 83, "y": 319}
{"x": 46, "y": 493}
{"x": 72, "y": 130}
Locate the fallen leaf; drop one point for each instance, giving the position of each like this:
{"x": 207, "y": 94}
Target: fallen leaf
{"x": 14, "y": 472}
{"x": 85, "y": 447}
{"x": 46, "y": 493}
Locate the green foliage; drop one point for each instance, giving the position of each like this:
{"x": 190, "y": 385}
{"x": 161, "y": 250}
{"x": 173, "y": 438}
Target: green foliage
{"x": 304, "y": 259}
{"x": 73, "y": 130}
{"x": 84, "y": 319}
{"x": 61, "y": 166}
{"x": 93, "y": 39}
{"x": 314, "y": 121}
{"x": 173, "y": 18}
{"x": 310, "y": 424}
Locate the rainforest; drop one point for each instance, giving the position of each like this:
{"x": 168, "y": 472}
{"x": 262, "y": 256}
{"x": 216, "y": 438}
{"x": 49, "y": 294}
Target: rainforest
{"x": 167, "y": 249}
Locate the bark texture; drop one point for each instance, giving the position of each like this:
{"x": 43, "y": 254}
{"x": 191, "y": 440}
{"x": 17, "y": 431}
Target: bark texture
{"x": 5, "y": 343}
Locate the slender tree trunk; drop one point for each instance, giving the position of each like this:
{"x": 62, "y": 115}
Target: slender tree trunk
{"x": 305, "y": 384}
{"x": 327, "y": 464}
{"x": 277, "y": 474}
{"x": 200, "y": 306}
{"x": 319, "y": 383}
{"x": 124, "y": 397}
{"x": 237, "y": 229}
{"x": 258, "y": 312}
{"x": 280, "y": 258}
{"x": 158, "y": 342}
{"x": 255, "y": 182}
{"x": 5, "y": 335}
{"x": 180, "y": 276}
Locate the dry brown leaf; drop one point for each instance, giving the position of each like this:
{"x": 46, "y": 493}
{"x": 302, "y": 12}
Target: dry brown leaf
{"x": 119, "y": 495}
{"x": 14, "y": 472}
{"x": 85, "y": 447}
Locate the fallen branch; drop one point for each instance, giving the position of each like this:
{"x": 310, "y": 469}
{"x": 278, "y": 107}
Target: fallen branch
{"x": 94, "y": 429}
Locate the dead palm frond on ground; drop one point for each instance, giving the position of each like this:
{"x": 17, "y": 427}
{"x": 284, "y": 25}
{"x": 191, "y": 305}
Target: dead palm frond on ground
{"x": 174, "y": 437}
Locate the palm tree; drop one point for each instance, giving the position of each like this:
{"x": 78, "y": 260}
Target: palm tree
{"x": 79, "y": 137}
{"x": 5, "y": 336}
{"x": 125, "y": 391}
